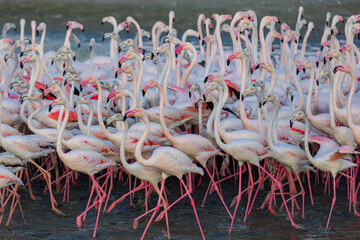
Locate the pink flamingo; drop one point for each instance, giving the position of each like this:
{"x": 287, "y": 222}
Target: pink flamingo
{"x": 84, "y": 161}
{"x": 329, "y": 158}
{"x": 195, "y": 146}
{"x": 170, "y": 161}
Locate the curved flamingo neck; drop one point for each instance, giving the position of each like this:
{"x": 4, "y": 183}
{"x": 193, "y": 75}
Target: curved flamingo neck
{"x": 201, "y": 18}
{"x": 109, "y": 135}
{"x": 139, "y": 145}
{"x": 139, "y": 32}
{"x": 212, "y": 57}
{"x": 348, "y": 110}
{"x": 262, "y": 42}
{"x": 306, "y": 143}
{"x": 10, "y": 78}
{"x": 221, "y": 49}
{"x": 129, "y": 167}
{"x": 217, "y": 120}
{"x": 162, "y": 118}
{"x": 308, "y": 99}
{"x": 303, "y": 48}
{"x": 331, "y": 105}
{"x": 34, "y": 75}
{"x": 60, "y": 134}
{"x": 190, "y": 68}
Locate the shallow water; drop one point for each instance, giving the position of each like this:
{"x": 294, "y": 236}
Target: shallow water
{"x": 43, "y": 223}
{"x": 90, "y": 12}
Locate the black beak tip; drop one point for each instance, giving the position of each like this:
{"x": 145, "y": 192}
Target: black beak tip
{"x": 204, "y": 97}
{"x": 297, "y": 71}
{"x": 242, "y": 98}
{"x": 37, "y": 33}
{"x": 202, "y": 42}
{"x": 317, "y": 82}
{"x": 228, "y": 62}
{"x": 291, "y": 124}
{"x": 205, "y": 80}
{"x": 189, "y": 94}
{"x": 21, "y": 65}
{"x": 83, "y": 30}
{"x": 78, "y": 45}
{"x": 143, "y": 92}
{"x": 292, "y": 98}
{"x": 317, "y": 64}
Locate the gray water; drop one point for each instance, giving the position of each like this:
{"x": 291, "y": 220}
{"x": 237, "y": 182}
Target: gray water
{"x": 43, "y": 223}
{"x": 90, "y": 12}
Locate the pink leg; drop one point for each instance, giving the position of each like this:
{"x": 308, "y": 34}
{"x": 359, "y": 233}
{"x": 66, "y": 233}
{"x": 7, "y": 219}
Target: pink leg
{"x": 194, "y": 208}
{"x": 309, "y": 184}
{"x": 332, "y": 205}
{"x": 156, "y": 209}
{"x": 141, "y": 186}
{"x": 282, "y": 196}
{"x": 29, "y": 184}
{"x": 218, "y": 192}
{"x": 251, "y": 181}
{"x": 237, "y": 201}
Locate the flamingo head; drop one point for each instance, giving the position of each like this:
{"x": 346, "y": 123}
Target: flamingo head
{"x": 269, "y": 98}
{"x": 247, "y": 92}
{"x": 74, "y": 24}
{"x": 134, "y": 113}
{"x": 210, "y": 78}
{"x": 26, "y": 59}
{"x": 235, "y": 55}
{"x": 109, "y": 19}
{"x": 115, "y": 117}
{"x": 123, "y": 59}
{"x": 194, "y": 87}
{"x": 20, "y": 84}
{"x": 268, "y": 19}
{"x": 285, "y": 27}
{"x": 74, "y": 78}
{"x": 30, "y": 97}
{"x": 58, "y": 101}
{"x": 214, "y": 16}
{"x": 330, "y": 55}
{"x": 303, "y": 66}
{"x": 87, "y": 81}
{"x": 83, "y": 100}
{"x": 150, "y": 84}
{"x": 209, "y": 38}
{"x": 345, "y": 48}
{"x": 323, "y": 73}
{"x": 114, "y": 94}
{"x": 301, "y": 11}
{"x": 121, "y": 70}
{"x": 212, "y": 86}
{"x": 257, "y": 66}
{"x": 343, "y": 68}
{"x": 179, "y": 49}
{"x": 42, "y": 26}
{"x": 300, "y": 115}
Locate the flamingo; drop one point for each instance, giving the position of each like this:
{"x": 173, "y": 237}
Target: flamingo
{"x": 84, "y": 161}
{"x": 195, "y": 146}
{"x": 329, "y": 158}
{"x": 170, "y": 161}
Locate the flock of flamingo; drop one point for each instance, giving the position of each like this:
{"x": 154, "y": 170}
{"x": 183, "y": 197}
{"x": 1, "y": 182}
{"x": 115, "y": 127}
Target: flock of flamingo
{"x": 180, "y": 110}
